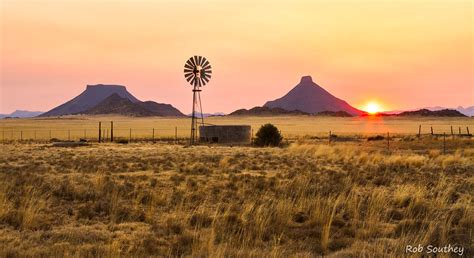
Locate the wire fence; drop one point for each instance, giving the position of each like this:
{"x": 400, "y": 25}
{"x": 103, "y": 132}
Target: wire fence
{"x": 95, "y": 134}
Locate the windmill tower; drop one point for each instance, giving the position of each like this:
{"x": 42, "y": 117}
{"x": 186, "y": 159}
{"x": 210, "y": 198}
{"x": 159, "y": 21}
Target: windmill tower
{"x": 197, "y": 71}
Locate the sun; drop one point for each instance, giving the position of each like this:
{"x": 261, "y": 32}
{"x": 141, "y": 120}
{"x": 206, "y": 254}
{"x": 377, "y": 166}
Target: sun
{"x": 372, "y": 108}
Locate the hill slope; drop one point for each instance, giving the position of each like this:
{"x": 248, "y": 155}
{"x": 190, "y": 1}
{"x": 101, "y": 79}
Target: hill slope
{"x": 111, "y": 99}
{"x": 160, "y": 109}
{"x": 114, "y": 104}
{"x": 309, "y": 97}
{"x": 89, "y": 98}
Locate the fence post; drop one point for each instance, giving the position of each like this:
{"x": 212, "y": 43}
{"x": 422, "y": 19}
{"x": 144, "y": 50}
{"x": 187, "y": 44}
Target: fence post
{"x": 419, "y": 130}
{"x": 444, "y": 143}
{"x": 467, "y": 128}
{"x": 100, "y": 131}
{"x": 153, "y": 135}
{"x": 176, "y": 134}
{"x": 111, "y": 131}
{"x": 130, "y": 136}
{"x": 49, "y": 134}
{"x": 452, "y": 133}
{"x": 388, "y": 141}
{"x": 21, "y": 135}
{"x": 432, "y": 130}
{"x": 459, "y": 130}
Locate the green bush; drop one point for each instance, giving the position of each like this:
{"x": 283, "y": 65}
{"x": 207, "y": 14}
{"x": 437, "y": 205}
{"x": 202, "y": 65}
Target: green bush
{"x": 268, "y": 135}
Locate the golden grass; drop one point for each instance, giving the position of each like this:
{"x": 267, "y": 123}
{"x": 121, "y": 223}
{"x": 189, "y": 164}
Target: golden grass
{"x": 75, "y": 127}
{"x": 308, "y": 199}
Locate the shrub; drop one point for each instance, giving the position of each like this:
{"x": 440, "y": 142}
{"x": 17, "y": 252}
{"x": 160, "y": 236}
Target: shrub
{"x": 268, "y": 135}
{"x": 375, "y": 138}
{"x": 122, "y": 141}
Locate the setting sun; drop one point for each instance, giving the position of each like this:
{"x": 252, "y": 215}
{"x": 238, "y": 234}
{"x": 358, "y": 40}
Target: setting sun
{"x": 372, "y": 108}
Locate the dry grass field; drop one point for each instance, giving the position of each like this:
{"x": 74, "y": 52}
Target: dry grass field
{"x": 75, "y": 127}
{"x": 349, "y": 198}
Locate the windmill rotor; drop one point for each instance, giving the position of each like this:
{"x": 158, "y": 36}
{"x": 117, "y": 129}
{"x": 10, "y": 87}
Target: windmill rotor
{"x": 197, "y": 71}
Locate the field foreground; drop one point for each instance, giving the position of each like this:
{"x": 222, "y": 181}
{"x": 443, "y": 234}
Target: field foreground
{"x": 308, "y": 199}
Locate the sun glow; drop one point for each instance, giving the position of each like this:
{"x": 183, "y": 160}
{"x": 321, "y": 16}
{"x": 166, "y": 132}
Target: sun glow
{"x": 372, "y": 108}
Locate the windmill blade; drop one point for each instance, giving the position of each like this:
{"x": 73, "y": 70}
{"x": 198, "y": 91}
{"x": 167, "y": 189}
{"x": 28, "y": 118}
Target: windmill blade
{"x": 188, "y": 75}
{"x": 189, "y": 78}
{"x": 191, "y": 60}
{"x": 195, "y": 60}
{"x": 208, "y": 67}
{"x": 188, "y": 70}
{"x": 209, "y": 70}
{"x": 205, "y": 73}
{"x": 205, "y": 63}
{"x": 206, "y": 79}
{"x": 199, "y": 60}
{"x": 188, "y": 66}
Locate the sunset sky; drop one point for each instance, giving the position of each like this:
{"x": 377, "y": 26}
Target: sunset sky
{"x": 401, "y": 54}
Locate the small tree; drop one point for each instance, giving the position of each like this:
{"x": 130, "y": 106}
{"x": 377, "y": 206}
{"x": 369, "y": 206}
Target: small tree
{"x": 268, "y": 135}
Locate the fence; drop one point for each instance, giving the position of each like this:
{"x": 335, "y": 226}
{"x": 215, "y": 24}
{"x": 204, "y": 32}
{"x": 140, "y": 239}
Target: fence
{"x": 104, "y": 132}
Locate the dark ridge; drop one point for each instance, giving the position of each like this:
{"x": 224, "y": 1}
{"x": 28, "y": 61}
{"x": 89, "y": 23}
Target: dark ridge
{"x": 266, "y": 111}
{"x": 426, "y": 112}
{"x": 114, "y": 104}
{"x": 334, "y": 114}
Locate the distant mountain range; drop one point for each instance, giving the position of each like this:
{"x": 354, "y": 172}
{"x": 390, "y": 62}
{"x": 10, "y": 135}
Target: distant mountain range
{"x": 426, "y": 112}
{"x": 311, "y": 98}
{"x": 306, "y": 98}
{"x": 266, "y": 111}
{"x": 468, "y": 111}
{"x": 111, "y": 99}
{"x": 197, "y": 114}
{"x": 22, "y": 114}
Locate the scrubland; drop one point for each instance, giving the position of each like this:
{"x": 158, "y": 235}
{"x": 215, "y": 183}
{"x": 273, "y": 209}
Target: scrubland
{"x": 309, "y": 198}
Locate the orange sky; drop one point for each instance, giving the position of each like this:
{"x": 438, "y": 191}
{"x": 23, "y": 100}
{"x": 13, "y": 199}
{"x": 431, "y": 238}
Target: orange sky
{"x": 403, "y": 54}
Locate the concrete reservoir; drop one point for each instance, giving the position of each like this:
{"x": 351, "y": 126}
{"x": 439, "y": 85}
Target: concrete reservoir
{"x": 240, "y": 134}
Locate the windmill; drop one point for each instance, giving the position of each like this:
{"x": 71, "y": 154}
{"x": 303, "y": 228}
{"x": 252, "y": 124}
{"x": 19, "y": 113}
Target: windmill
{"x": 197, "y": 71}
